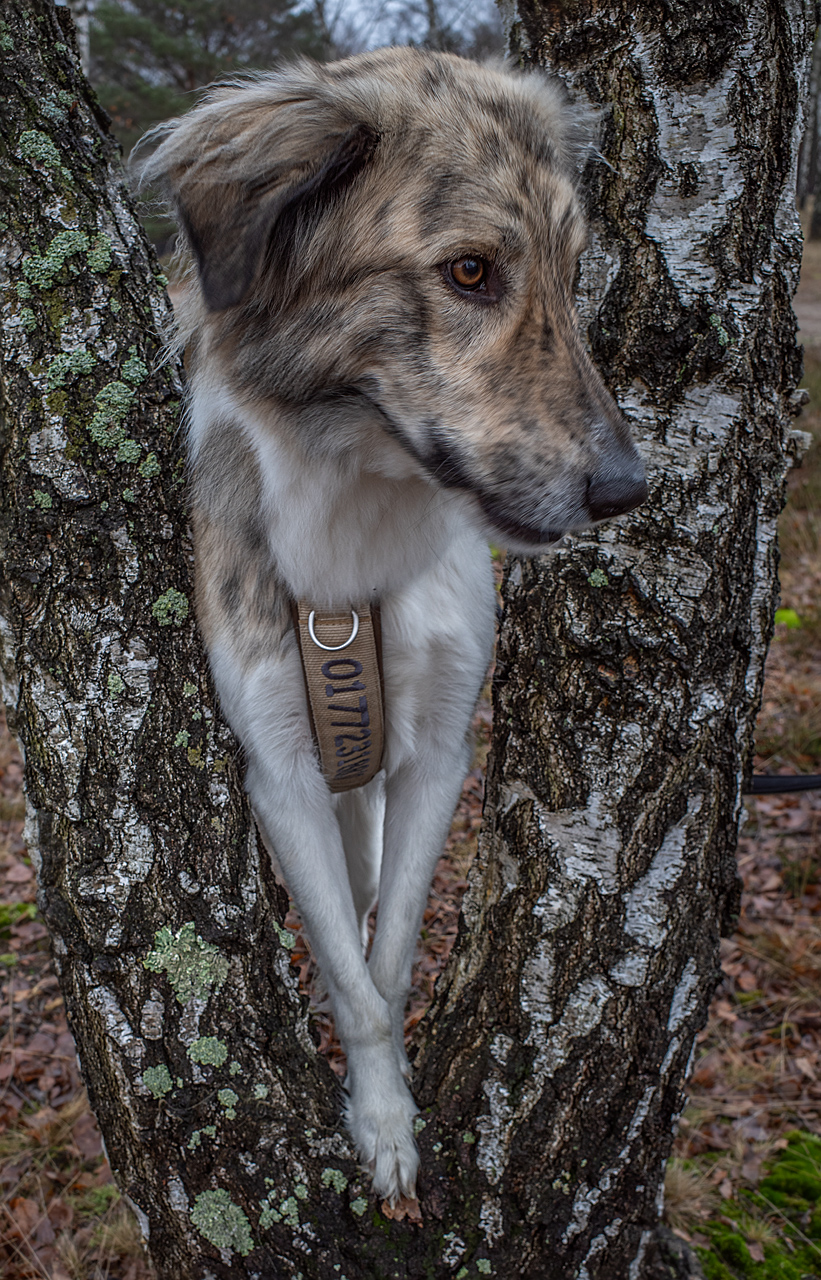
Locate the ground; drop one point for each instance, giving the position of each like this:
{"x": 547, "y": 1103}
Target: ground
{"x": 744, "y": 1184}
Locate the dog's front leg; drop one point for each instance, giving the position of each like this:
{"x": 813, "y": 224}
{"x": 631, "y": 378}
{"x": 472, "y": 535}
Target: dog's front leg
{"x": 421, "y": 798}
{"x": 294, "y": 809}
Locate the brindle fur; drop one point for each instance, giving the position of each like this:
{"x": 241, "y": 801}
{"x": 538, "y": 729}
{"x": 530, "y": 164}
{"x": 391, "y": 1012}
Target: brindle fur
{"x": 358, "y": 428}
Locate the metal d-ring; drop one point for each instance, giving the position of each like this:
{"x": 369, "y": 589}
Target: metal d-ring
{"x": 333, "y": 648}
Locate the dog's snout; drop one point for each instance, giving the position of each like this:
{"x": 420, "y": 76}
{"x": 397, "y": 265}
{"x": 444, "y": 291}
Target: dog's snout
{"x": 611, "y": 492}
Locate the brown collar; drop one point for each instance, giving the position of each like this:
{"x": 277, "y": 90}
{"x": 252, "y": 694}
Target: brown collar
{"x": 342, "y": 662}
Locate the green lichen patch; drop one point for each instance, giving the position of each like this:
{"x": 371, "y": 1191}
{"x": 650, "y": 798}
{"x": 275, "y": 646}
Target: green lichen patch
{"x": 222, "y": 1222}
{"x": 208, "y": 1050}
{"x": 598, "y": 578}
{"x": 128, "y": 451}
{"x": 99, "y": 255}
{"x": 170, "y": 607}
{"x": 69, "y": 364}
{"x": 721, "y": 333}
{"x": 359, "y": 1205}
{"x": 28, "y": 319}
{"x": 261, "y": 1092}
{"x": 181, "y": 739}
{"x": 115, "y": 683}
{"x": 334, "y": 1178}
{"x": 129, "y": 495}
{"x": 149, "y": 467}
{"x": 134, "y": 369}
{"x": 188, "y": 689}
{"x": 228, "y": 1100}
{"x": 289, "y": 1211}
{"x": 113, "y": 403}
{"x": 193, "y": 967}
{"x": 38, "y": 149}
{"x": 207, "y": 1131}
{"x": 234, "y": 1068}
{"x": 42, "y": 500}
{"x": 286, "y": 938}
{"x": 483, "y": 1266}
{"x": 40, "y": 269}
{"x": 157, "y": 1080}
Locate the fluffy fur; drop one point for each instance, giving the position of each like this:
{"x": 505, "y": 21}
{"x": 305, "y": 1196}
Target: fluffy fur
{"x": 360, "y": 424}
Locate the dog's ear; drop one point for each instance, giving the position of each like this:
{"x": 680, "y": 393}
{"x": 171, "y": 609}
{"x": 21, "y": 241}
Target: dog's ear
{"x": 248, "y": 173}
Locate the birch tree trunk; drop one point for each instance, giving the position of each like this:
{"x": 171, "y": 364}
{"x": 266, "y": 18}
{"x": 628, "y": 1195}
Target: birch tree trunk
{"x": 630, "y": 663}
{"x": 629, "y": 673}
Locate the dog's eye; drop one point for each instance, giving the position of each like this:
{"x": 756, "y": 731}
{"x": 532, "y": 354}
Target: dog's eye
{"x": 468, "y": 273}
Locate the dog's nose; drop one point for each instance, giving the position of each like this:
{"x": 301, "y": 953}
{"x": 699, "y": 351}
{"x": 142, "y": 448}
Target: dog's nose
{"x": 611, "y": 493}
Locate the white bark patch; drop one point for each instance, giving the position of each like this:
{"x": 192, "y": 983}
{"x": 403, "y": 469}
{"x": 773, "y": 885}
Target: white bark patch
{"x": 495, "y": 1130}
{"x": 47, "y": 457}
{"x": 696, "y": 136}
{"x": 66, "y": 738}
{"x": 630, "y": 970}
{"x": 151, "y": 1023}
{"x": 646, "y": 907}
{"x": 177, "y": 1197}
{"x": 117, "y": 1026}
{"x": 599, "y": 267}
{"x": 586, "y": 842}
{"x": 583, "y": 1012}
{"x": 129, "y": 560}
{"x": 142, "y": 1219}
{"x": 635, "y": 1265}
{"x": 558, "y": 904}
{"x": 587, "y": 1197}
{"x": 685, "y": 997}
{"x": 536, "y": 985}
{"x": 491, "y": 1221}
{"x": 498, "y": 1126}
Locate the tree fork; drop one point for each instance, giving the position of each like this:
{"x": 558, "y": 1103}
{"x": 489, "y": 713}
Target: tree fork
{"x": 629, "y": 674}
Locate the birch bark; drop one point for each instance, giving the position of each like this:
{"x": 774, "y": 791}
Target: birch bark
{"x": 629, "y": 672}
{"x": 630, "y": 663}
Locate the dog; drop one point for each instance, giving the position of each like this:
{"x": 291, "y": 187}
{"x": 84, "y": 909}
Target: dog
{"x": 385, "y": 374}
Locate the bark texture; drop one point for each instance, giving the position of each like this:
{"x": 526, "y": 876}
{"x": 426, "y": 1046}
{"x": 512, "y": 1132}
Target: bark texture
{"x": 630, "y": 663}
{"x": 629, "y": 673}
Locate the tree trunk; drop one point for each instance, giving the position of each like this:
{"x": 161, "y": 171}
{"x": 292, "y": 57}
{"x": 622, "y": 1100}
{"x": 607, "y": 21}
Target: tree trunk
{"x": 629, "y": 673}
{"x": 630, "y": 663}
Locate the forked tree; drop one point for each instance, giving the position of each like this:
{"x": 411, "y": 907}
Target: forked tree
{"x": 630, "y": 665}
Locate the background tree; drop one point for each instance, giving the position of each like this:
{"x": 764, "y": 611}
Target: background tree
{"x": 474, "y": 30}
{"x": 629, "y": 673}
{"x": 148, "y": 56}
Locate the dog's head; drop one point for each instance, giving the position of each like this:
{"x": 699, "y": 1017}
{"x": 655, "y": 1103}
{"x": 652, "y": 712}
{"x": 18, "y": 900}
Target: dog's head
{"x": 401, "y": 230}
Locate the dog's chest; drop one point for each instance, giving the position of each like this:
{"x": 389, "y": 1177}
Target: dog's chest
{"x": 340, "y": 533}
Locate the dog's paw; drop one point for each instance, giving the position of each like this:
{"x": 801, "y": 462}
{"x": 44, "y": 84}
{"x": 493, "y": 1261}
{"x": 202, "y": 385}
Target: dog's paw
{"x": 379, "y": 1115}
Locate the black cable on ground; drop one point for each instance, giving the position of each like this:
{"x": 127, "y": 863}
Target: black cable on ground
{"x": 769, "y": 784}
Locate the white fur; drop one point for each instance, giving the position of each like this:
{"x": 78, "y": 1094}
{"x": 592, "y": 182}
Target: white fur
{"x": 369, "y": 525}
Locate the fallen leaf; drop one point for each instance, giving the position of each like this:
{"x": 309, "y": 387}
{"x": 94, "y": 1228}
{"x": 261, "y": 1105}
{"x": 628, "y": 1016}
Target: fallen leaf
{"x": 18, "y": 873}
{"x": 404, "y": 1208}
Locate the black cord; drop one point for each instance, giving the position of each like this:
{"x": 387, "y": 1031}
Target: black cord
{"x": 768, "y": 784}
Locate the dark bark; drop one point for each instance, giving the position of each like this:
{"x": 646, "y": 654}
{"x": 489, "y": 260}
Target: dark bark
{"x": 629, "y": 672}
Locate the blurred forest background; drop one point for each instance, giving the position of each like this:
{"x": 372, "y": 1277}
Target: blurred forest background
{"x": 744, "y": 1184}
